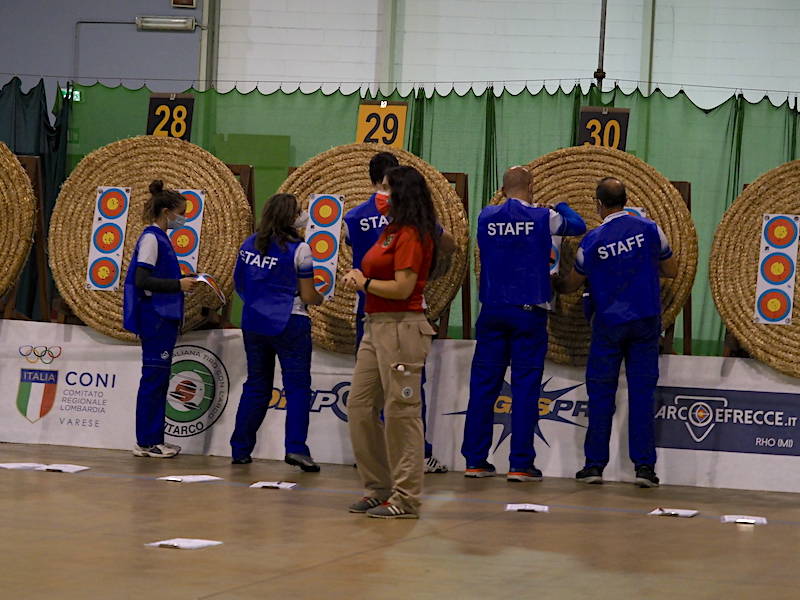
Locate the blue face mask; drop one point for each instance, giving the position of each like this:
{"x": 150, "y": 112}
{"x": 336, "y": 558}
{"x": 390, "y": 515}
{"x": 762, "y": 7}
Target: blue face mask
{"x": 176, "y": 222}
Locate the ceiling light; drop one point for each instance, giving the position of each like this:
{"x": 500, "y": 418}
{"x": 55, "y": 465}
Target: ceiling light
{"x": 166, "y": 23}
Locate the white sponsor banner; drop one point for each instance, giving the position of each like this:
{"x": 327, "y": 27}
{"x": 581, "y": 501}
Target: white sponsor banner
{"x": 107, "y": 240}
{"x": 777, "y": 269}
{"x": 752, "y": 411}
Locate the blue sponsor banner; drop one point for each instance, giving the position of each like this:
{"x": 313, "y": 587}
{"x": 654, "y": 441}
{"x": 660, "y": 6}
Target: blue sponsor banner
{"x": 38, "y": 376}
{"x": 727, "y": 420}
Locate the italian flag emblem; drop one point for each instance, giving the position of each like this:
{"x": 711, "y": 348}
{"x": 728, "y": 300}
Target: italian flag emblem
{"x": 37, "y": 393}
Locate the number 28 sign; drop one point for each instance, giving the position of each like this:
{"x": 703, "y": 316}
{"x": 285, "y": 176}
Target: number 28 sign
{"x": 603, "y": 126}
{"x": 382, "y": 122}
{"x": 170, "y": 115}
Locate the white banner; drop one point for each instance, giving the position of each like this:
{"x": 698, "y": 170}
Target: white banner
{"x": 728, "y": 423}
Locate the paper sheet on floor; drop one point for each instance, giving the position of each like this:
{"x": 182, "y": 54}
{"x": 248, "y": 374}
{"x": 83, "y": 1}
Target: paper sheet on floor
{"x": 278, "y": 485}
{"x": 744, "y": 519}
{"x": 539, "y": 508}
{"x": 190, "y": 478}
{"x": 184, "y": 543}
{"x": 21, "y": 466}
{"x": 65, "y": 468}
{"x": 674, "y": 512}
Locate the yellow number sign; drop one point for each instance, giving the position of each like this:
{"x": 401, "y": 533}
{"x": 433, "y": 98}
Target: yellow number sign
{"x": 382, "y": 123}
{"x": 170, "y": 115}
{"x": 602, "y": 126}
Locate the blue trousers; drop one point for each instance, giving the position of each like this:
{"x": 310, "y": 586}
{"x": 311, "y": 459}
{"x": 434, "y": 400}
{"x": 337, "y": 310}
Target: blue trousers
{"x": 506, "y": 335}
{"x": 636, "y": 342}
{"x": 158, "y": 341}
{"x": 359, "y": 336}
{"x": 293, "y": 348}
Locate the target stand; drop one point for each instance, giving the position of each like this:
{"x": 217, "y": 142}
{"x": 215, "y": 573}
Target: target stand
{"x": 667, "y": 342}
{"x": 33, "y": 167}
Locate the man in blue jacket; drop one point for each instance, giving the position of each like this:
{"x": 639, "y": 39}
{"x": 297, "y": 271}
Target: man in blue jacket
{"x": 622, "y": 260}
{"x": 514, "y": 239}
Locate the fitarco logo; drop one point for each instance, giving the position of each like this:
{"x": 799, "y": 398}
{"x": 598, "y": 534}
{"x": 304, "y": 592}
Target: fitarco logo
{"x": 198, "y": 391}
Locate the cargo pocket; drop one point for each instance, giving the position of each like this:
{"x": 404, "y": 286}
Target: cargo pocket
{"x": 404, "y": 390}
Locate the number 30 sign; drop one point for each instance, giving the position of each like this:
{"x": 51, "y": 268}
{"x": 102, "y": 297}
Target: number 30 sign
{"x": 170, "y": 115}
{"x": 382, "y": 123}
{"x": 603, "y": 126}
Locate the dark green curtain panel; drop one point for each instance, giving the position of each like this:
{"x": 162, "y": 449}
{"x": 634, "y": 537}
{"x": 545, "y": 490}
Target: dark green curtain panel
{"x": 26, "y": 129}
{"x": 716, "y": 150}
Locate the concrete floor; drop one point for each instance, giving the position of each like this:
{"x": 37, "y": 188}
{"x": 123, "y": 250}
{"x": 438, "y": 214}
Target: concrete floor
{"x": 83, "y": 535}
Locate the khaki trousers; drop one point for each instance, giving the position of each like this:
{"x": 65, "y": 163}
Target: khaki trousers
{"x": 389, "y": 363}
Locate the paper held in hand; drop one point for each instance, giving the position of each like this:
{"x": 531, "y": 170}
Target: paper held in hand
{"x": 212, "y": 283}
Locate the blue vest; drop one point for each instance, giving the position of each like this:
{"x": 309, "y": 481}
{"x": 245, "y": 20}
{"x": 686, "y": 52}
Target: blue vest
{"x": 514, "y": 241}
{"x": 621, "y": 261}
{"x": 365, "y": 224}
{"x": 267, "y": 284}
{"x": 140, "y": 308}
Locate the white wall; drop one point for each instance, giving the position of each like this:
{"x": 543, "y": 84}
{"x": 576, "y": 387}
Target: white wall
{"x": 726, "y": 43}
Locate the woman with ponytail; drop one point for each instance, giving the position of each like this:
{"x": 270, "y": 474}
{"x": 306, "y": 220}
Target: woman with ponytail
{"x": 274, "y": 278}
{"x": 153, "y": 310}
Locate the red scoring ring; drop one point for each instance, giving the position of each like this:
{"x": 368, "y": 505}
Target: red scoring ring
{"x": 112, "y": 212}
{"x": 97, "y": 276}
{"x": 325, "y": 220}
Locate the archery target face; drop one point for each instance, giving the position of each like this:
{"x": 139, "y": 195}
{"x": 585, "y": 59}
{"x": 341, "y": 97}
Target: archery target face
{"x": 112, "y": 203}
{"x": 108, "y": 238}
{"x": 774, "y": 305}
{"x": 103, "y": 273}
{"x": 323, "y": 280}
{"x": 636, "y": 211}
{"x": 777, "y": 268}
{"x": 194, "y": 205}
{"x": 325, "y": 211}
{"x": 184, "y": 241}
{"x": 780, "y": 231}
{"x": 323, "y": 246}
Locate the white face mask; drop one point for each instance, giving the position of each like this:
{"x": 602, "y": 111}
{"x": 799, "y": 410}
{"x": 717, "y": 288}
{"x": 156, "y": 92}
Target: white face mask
{"x": 176, "y": 222}
{"x": 301, "y": 220}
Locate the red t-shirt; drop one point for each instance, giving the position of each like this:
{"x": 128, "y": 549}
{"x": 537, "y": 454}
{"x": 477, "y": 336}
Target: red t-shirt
{"x": 398, "y": 249}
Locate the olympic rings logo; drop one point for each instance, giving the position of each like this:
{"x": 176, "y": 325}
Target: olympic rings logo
{"x": 43, "y": 354}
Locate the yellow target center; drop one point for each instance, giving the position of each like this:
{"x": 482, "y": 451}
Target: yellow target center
{"x": 108, "y": 238}
{"x": 189, "y": 206}
{"x": 322, "y": 246}
{"x": 104, "y": 272}
{"x": 183, "y": 241}
{"x": 781, "y": 232}
{"x": 777, "y": 268}
{"x": 113, "y": 203}
{"x": 325, "y": 211}
{"x": 773, "y": 304}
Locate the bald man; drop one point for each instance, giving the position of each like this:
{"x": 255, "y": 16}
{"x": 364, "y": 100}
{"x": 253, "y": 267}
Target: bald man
{"x": 622, "y": 260}
{"x": 514, "y": 239}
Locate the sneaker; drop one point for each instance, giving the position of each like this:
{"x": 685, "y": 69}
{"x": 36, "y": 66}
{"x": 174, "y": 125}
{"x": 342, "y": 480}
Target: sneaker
{"x": 432, "y": 465}
{"x": 173, "y": 447}
{"x": 521, "y": 475}
{"x": 484, "y": 469}
{"x": 156, "y": 451}
{"x": 646, "y": 477}
{"x": 244, "y": 460}
{"x": 590, "y": 475}
{"x": 304, "y": 461}
{"x": 364, "y": 505}
{"x": 387, "y": 510}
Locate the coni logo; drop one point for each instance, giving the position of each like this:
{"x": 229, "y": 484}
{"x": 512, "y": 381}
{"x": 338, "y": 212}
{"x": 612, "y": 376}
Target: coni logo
{"x": 39, "y": 354}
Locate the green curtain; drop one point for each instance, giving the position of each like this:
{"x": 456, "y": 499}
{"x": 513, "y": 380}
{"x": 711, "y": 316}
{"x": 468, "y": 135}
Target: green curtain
{"x": 26, "y": 129}
{"x": 717, "y": 150}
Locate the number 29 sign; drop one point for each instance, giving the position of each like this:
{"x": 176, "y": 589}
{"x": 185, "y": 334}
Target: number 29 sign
{"x": 382, "y": 122}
